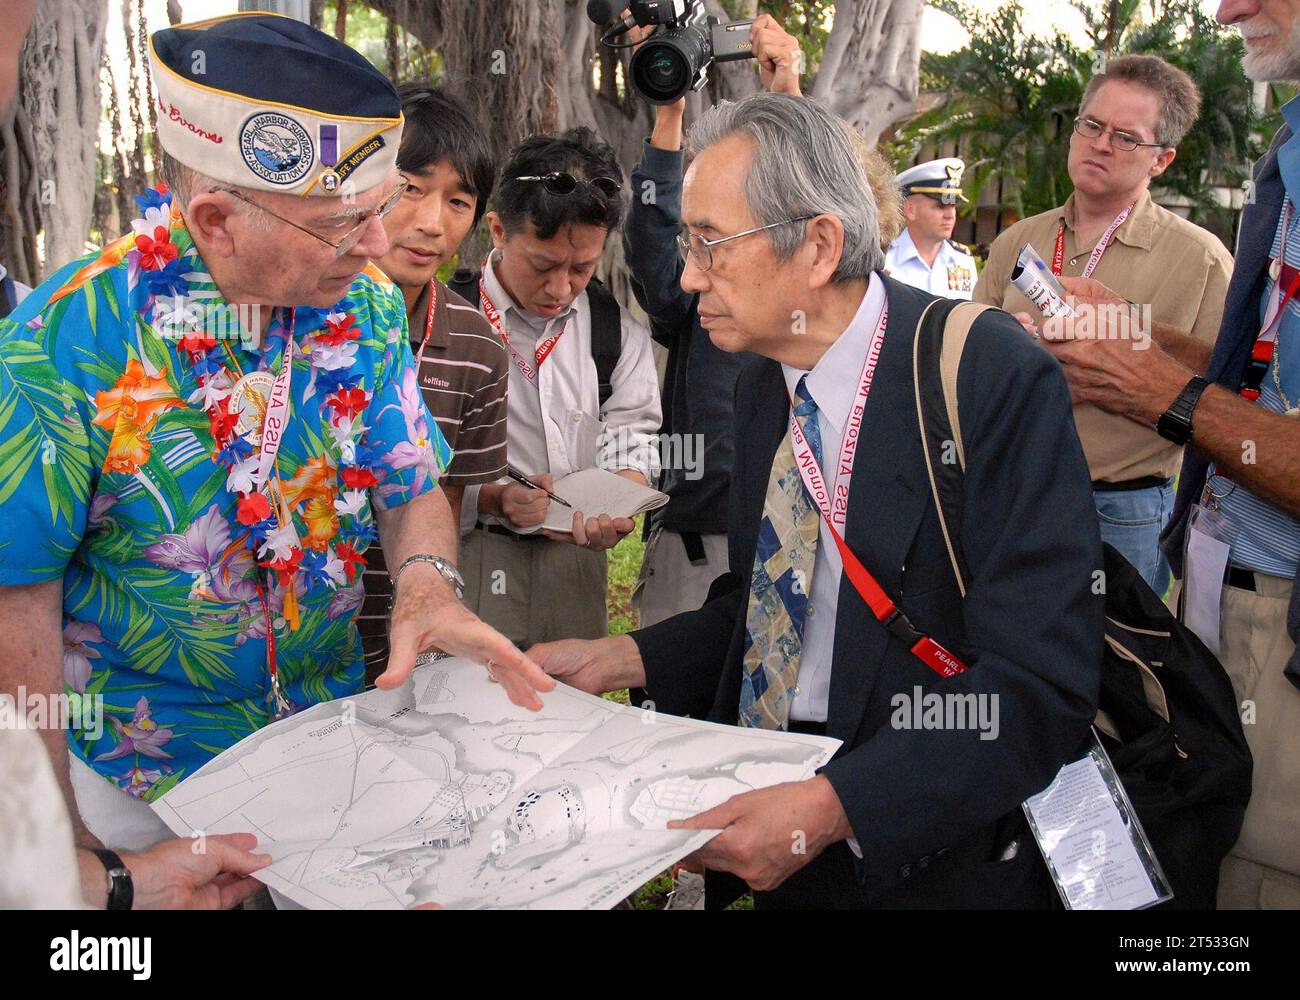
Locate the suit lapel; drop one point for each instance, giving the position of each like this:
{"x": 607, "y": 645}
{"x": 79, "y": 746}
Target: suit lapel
{"x": 887, "y": 499}
{"x": 760, "y": 439}
{"x": 1249, "y": 273}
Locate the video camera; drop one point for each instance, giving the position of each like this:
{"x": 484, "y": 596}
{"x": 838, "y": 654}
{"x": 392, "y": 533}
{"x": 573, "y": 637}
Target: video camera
{"x": 676, "y": 58}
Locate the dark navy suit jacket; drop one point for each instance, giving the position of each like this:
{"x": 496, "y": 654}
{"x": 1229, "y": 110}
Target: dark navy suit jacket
{"x": 930, "y": 809}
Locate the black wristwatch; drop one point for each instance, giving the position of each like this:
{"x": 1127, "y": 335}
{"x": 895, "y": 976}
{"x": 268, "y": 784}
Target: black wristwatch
{"x": 121, "y": 890}
{"x": 1175, "y": 423}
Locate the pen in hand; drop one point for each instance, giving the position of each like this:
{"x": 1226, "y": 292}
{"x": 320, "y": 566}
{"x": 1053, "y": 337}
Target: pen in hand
{"x": 523, "y": 480}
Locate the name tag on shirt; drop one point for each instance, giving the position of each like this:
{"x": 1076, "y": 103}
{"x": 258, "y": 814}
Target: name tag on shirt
{"x": 1206, "y": 565}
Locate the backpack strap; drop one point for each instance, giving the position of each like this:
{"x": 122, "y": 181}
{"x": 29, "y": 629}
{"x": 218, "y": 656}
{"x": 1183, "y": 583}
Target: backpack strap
{"x": 941, "y": 336}
{"x": 606, "y": 325}
{"x": 606, "y": 336}
{"x": 464, "y": 282}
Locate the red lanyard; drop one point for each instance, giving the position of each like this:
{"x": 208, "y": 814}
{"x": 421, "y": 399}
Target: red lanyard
{"x": 1261, "y": 355}
{"x": 1058, "y": 255}
{"x": 833, "y": 505}
{"x": 543, "y": 349}
{"x": 428, "y": 323}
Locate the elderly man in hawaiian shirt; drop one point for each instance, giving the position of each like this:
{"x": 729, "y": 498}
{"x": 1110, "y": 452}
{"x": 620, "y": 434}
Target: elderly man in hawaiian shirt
{"x": 202, "y": 424}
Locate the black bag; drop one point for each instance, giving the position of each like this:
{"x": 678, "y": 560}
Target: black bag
{"x": 1167, "y": 715}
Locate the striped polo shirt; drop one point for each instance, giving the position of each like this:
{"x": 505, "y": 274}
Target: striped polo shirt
{"x": 463, "y": 374}
{"x": 1267, "y": 540}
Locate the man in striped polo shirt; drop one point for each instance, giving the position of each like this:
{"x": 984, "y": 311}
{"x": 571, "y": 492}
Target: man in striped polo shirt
{"x": 462, "y": 363}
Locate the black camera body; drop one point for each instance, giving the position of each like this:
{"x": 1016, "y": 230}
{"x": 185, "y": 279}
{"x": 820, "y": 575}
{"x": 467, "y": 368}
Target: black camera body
{"x": 676, "y": 58}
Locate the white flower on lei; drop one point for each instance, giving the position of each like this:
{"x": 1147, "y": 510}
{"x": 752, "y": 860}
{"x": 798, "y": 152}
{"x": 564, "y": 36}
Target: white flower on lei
{"x": 213, "y": 391}
{"x": 282, "y": 541}
{"x": 328, "y": 359}
{"x": 350, "y": 503}
{"x": 158, "y": 215}
{"x": 336, "y": 569}
{"x": 242, "y": 477}
{"x": 176, "y": 315}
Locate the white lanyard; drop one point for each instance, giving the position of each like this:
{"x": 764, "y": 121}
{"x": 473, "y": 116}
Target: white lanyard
{"x": 1058, "y": 258}
{"x": 277, "y": 414}
{"x": 834, "y": 502}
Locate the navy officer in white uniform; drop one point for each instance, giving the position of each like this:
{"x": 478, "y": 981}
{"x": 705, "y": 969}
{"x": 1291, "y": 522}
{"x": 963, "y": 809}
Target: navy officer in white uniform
{"x": 924, "y": 255}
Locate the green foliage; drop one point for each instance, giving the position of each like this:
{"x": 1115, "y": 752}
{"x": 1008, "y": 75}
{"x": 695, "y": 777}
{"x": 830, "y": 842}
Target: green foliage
{"x": 1011, "y": 99}
{"x": 367, "y": 31}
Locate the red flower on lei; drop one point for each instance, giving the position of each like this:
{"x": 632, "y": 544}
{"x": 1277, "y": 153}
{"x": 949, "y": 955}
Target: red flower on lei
{"x": 357, "y": 478}
{"x": 285, "y": 568}
{"x": 253, "y": 507}
{"x": 223, "y": 422}
{"x": 352, "y": 559}
{"x": 156, "y": 252}
{"x": 348, "y": 402}
{"x": 197, "y": 343}
{"x": 338, "y": 330}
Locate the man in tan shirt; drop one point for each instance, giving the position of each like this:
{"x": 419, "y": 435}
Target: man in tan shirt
{"x": 1131, "y": 119}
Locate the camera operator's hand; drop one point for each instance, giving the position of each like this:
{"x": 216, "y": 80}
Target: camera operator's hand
{"x": 668, "y": 129}
{"x": 778, "y": 55}
{"x": 638, "y": 33}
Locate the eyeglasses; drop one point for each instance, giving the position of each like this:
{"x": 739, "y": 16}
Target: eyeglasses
{"x": 353, "y": 235}
{"x": 1126, "y": 141}
{"x": 700, "y": 250}
{"x": 563, "y": 183}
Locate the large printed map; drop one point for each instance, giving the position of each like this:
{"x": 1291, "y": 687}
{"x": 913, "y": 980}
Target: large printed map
{"x": 443, "y": 791}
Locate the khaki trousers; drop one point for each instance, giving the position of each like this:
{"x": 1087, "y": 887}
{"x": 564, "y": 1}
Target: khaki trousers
{"x": 669, "y": 582}
{"x": 1263, "y": 869}
{"x": 534, "y": 590}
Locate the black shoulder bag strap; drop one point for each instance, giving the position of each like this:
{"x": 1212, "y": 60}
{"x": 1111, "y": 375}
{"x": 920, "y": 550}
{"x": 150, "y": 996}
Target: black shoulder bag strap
{"x": 606, "y": 336}
{"x": 464, "y": 282}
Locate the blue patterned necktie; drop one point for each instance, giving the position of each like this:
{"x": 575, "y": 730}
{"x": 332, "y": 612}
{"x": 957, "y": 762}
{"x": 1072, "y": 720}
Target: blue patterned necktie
{"x": 783, "y": 569}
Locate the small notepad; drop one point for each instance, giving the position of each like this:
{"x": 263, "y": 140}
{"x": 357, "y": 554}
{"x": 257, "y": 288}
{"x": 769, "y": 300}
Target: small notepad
{"x": 595, "y": 492}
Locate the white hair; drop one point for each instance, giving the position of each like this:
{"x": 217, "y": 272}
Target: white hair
{"x": 186, "y": 182}
{"x": 805, "y": 163}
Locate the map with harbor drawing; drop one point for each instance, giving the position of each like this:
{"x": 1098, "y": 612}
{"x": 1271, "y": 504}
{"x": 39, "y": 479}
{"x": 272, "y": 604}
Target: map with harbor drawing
{"x": 442, "y": 791}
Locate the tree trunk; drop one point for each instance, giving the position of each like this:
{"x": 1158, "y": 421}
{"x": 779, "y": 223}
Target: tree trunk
{"x": 870, "y": 71}
{"x": 536, "y": 65}
{"x": 341, "y": 21}
{"x": 48, "y": 146}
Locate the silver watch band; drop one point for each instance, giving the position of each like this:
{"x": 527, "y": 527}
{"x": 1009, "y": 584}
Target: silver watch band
{"x": 443, "y": 566}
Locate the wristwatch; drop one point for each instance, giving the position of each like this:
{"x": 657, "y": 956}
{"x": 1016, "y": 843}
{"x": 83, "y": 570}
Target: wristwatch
{"x": 1175, "y": 423}
{"x": 449, "y": 572}
{"x": 121, "y": 890}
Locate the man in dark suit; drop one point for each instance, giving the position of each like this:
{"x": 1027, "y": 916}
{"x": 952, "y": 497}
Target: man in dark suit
{"x": 782, "y": 247}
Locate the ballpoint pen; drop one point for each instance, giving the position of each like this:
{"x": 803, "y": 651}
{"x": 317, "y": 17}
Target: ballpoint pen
{"x": 523, "y": 480}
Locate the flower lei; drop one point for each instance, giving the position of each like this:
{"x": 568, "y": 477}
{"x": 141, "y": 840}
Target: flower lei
{"x": 162, "y": 267}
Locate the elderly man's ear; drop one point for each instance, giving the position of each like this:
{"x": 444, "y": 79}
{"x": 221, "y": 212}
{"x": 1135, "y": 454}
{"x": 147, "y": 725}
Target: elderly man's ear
{"x": 823, "y": 246}
{"x": 208, "y": 217}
